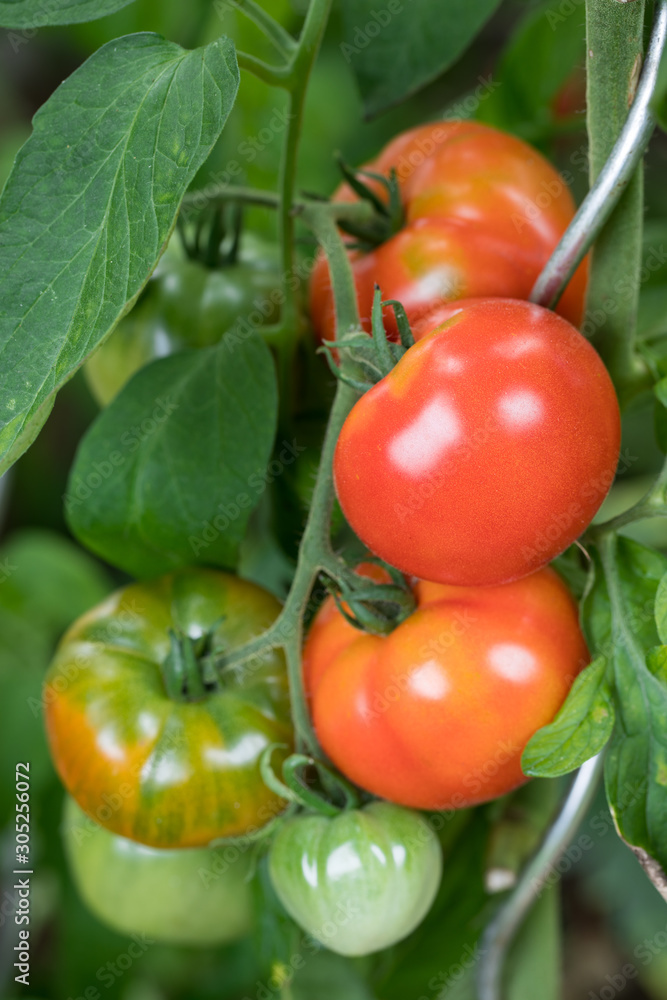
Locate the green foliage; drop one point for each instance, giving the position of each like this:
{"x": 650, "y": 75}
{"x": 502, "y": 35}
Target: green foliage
{"x": 620, "y": 616}
{"x": 90, "y": 205}
{"x": 37, "y": 13}
{"x": 545, "y": 51}
{"x": 580, "y": 730}
{"x": 171, "y": 470}
{"x": 394, "y": 49}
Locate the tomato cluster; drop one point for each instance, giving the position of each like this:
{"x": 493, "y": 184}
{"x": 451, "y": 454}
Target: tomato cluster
{"x": 483, "y": 454}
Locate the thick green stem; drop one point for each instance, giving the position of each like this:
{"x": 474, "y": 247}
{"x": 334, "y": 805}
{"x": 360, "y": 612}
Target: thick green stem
{"x": 275, "y": 76}
{"x": 315, "y": 552}
{"x": 271, "y": 28}
{"x": 614, "y": 55}
{"x": 299, "y": 76}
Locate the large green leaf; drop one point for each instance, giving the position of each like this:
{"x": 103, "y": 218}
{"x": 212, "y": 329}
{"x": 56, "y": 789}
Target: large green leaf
{"x": 170, "y": 471}
{"x": 397, "y": 47}
{"x": 90, "y": 204}
{"x": 38, "y": 13}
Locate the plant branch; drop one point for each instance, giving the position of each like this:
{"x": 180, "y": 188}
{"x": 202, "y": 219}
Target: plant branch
{"x": 315, "y": 553}
{"x": 652, "y": 504}
{"x": 300, "y": 68}
{"x": 271, "y": 28}
{"x": 275, "y": 76}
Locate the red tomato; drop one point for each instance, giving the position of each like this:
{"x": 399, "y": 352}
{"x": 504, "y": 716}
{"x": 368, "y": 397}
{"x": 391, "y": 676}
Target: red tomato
{"x": 483, "y": 213}
{"x": 486, "y": 451}
{"x": 437, "y": 714}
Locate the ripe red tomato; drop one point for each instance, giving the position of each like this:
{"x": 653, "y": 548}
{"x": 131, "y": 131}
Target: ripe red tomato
{"x": 483, "y": 213}
{"x": 486, "y": 451}
{"x": 437, "y": 714}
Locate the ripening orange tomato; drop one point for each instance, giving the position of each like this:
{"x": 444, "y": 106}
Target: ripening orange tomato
{"x": 483, "y": 213}
{"x": 437, "y": 714}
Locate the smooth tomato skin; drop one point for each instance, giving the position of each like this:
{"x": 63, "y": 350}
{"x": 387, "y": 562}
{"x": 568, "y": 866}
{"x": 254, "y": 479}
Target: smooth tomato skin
{"x": 189, "y": 896}
{"x": 184, "y": 305}
{"x": 167, "y": 774}
{"x": 486, "y": 451}
{"x": 358, "y": 882}
{"x": 437, "y": 714}
{"x": 484, "y": 212}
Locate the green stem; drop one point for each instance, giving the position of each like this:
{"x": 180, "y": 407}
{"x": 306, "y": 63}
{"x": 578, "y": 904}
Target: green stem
{"x": 652, "y": 504}
{"x": 315, "y": 552}
{"x": 300, "y": 69}
{"x": 275, "y": 76}
{"x": 271, "y": 28}
{"x": 353, "y": 212}
{"x": 614, "y": 35}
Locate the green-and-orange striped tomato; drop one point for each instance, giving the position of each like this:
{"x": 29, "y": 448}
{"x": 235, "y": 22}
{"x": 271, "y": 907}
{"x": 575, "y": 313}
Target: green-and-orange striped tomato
{"x": 168, "y": 773}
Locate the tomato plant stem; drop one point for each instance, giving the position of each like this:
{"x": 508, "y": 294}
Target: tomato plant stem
{"x": 315, "y": 553}
{"x": 300, "y": 69}
{"x": 271, "y": 28}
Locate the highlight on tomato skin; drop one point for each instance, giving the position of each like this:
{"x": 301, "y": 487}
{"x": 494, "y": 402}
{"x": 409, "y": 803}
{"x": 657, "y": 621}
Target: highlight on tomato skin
{"x": 486, "y": 451}
{"x": 483, "y": 213}
{"x": 437, "y": 714}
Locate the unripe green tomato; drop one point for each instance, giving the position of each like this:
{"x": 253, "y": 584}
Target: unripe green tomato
{"x": 190, "y": 896}
{"x": 186, "y": 304}
{"x": 358, "y": 882}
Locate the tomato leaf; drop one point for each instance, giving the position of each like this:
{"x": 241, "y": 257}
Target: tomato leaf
{"x": 90, "y": 204}
{"x": 620, "y": 610}
{"x": 170, "y": 471}
{"x": 38, "y": 13}
{"x": 580, "y": 730}
{"x": 397, "y": 48}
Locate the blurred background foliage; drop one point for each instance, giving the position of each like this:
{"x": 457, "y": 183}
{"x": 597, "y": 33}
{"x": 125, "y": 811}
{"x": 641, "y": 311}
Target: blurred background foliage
{"x": 524, "y": 73}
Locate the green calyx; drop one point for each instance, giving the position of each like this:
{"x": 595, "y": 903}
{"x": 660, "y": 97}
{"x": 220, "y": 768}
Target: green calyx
{"x": 388, "y": 212}
{"x": 369, "y": 359}
{"x": 304, "y": 780}
{"x": 186, "y": 672}
{"x": 373, "y": 607}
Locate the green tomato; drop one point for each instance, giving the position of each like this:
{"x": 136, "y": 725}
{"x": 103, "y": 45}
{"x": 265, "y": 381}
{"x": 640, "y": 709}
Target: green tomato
{"x": 197, "y": 896}
{"x": 186, "y": 304}
{"x": 358, "y": 882}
